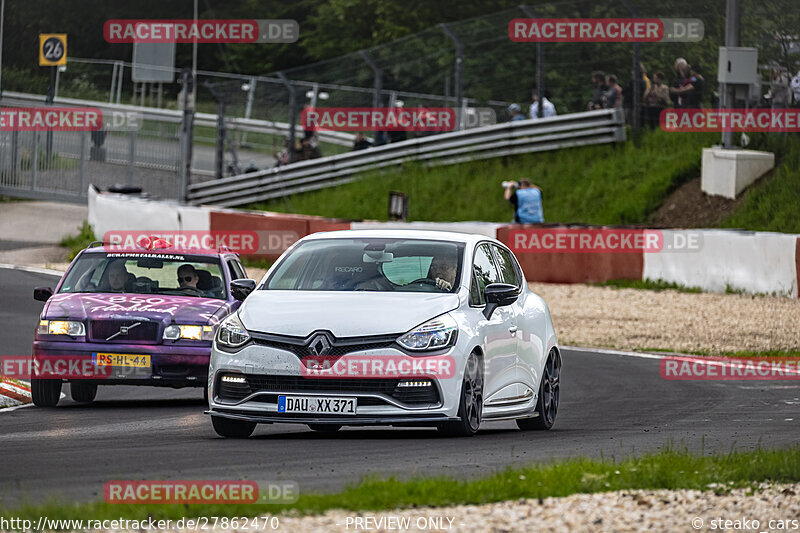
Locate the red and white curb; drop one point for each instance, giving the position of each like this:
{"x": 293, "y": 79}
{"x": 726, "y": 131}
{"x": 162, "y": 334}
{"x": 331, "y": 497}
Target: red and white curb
{"x": 14, "y": 393}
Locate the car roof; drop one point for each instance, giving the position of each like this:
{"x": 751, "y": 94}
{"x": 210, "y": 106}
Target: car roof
{"x": 162, "y": 251}
{"x": 448, "y": 236}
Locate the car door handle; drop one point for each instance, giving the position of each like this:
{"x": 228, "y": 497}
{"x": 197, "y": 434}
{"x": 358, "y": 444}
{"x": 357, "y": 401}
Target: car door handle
{"x": 513, "y": 329}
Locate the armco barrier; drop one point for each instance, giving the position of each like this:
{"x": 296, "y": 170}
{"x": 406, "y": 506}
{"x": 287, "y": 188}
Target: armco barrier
{"x": 558, "y": 267}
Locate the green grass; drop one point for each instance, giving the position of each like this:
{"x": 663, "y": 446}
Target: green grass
{"x": 76, "y": 243}
{"x": 774, "y": 203}
{"x": 647, "y": 284}
{"x": 669, "y": 469}
{"x": 607, "y": 184}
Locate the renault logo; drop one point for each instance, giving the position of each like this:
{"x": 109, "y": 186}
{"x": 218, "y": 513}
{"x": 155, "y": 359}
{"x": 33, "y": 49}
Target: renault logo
{"x": 319, "y": 345}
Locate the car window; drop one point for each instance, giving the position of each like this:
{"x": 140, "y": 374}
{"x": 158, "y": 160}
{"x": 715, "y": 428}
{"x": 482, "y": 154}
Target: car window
{"x": 505, "y": 264}
{"x": 235, "y": 269}
{"x": 475, "y": 294}
{"x": 141, "y": 273}
{"x": 484, "y": 267}
{"x": 370, "y": 264}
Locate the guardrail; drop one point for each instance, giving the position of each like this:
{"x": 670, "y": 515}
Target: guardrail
{"x": 14, "y": 99}
{"x": 524, "y": 136}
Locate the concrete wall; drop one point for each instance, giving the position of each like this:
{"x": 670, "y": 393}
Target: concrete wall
{"x": 748, "y": 261}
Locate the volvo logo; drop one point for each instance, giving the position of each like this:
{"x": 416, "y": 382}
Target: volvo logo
{"x": 123, "y": 330}
{"x": 319, "y": 345}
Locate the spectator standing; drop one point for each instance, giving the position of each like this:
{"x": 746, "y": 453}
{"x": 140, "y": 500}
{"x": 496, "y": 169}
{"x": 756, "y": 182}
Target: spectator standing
{"x": 515, "y": 112}
{"x": 527, "y": 201}
{"x": 599, "y": 82}
{"x": 548, "y": 109}
{"x": 779, "y": 89}
{"x": 656, "y": 99}
{"x": 687, "y": 89}
{"x": 613, "y": 95}
{"x": 361, "y": 142}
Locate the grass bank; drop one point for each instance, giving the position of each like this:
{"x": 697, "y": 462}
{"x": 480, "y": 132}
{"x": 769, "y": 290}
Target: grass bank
{"x": 669, "y": 469}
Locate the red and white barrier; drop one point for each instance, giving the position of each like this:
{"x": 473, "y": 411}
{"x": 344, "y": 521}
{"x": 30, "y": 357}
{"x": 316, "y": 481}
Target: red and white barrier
{"x": 750, "y": 261}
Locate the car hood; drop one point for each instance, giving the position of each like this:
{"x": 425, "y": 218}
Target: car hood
{"x": 345, "y": 314}
{"x": 162, "y": 308}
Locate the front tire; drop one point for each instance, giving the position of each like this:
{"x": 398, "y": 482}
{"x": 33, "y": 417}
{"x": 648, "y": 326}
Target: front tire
{"x": 45, "y": 392}
{"x": 549, "y": 392}
{"x": 470, "y": 408}
{"x": 83, "y": 392}
{"x": 232, "y": 429}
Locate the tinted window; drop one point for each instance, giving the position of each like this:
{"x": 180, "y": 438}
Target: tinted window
{"x": 370, "y": 264}
{"x": 485, "y": 270}
{"x": 236, "y": 270}
{"x": 505, "y": 264}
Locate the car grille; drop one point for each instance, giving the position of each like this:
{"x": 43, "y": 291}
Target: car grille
{"x": 301, "y": 346}
{"x": 146, "y": 332}
{"x": 298, "y": 384}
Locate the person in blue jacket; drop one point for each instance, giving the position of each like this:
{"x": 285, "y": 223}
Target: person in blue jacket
{"x": 527, "y": 201}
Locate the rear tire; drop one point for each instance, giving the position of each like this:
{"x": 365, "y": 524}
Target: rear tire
{"x": 325, "y": 428}
{"x": 45, "y": 392}
{"x": 232, "y": 429}
{"x": 549, "y": 392}
{"x": 83, "y": 392}
{"x": 470, "y": 407}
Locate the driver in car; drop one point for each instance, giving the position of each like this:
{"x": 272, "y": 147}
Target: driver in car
{"x": 117, "y": 276}
{"x": 443, "y": 271}
{"x": 188, "y": 277}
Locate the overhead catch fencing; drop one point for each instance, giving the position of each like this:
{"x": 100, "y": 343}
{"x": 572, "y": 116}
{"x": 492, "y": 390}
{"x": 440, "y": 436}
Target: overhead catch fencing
{"x": 511, "y": 138}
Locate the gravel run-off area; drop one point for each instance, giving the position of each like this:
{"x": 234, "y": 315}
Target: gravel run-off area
{"x": 669, "y": 320}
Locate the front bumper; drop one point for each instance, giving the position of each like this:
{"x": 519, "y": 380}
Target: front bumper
{"x": 170, "y": 366}
{"x": 279, "y": 373}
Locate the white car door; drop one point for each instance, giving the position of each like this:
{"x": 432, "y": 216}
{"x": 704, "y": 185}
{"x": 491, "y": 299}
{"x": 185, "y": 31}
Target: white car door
{"x": 499, "y": 333}
{"x": 529, "y": 320}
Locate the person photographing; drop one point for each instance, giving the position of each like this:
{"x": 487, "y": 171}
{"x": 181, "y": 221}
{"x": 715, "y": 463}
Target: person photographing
{"x": 527, "y": 201}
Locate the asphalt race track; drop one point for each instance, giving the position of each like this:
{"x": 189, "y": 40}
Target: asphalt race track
{"x": 611, "y": 405}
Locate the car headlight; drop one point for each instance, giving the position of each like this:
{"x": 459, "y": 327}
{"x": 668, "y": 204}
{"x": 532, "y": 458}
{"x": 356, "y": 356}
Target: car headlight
{"x": 188, "y": 332}
{"x": 73, "y": 328}
{"x": 231, "y": 333}
{"x": 435, "y": 334}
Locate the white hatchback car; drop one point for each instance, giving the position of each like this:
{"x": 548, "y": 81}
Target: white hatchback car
{"x": 387, "y": 327}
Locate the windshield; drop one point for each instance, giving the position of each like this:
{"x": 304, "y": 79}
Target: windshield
{"x": 139, "y": 273}
{"x": 409, "y": 265}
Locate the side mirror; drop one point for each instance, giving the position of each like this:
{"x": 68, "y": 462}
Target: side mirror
{"x": 42, "y": 293}
{"x": 240, "y": 288}
{"x": 498, "y": 295}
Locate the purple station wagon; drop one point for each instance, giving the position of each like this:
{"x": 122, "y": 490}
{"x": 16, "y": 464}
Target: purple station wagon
{"x": 134, "y": 317}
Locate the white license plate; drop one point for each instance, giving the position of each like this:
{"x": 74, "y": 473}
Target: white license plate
{"x": 317, "y": 405}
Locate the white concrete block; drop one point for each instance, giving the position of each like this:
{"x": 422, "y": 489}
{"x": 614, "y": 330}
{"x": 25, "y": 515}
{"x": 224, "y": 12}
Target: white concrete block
{"x": 729, "y": 172}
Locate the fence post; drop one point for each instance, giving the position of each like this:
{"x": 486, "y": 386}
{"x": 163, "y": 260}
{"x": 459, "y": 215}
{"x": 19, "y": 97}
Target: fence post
{"x": 186, "y": 136}
{"x": 292, "y": 113}
{"x": 637, "y": 76}
{"x": 82, "y": 189}
{"x": 539, "y": 67}
{"x": 377, "y": 74}
{"x": 458, "y": 82}
{"x": 35, "y": 162}
{"x": 131, "y": 155}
